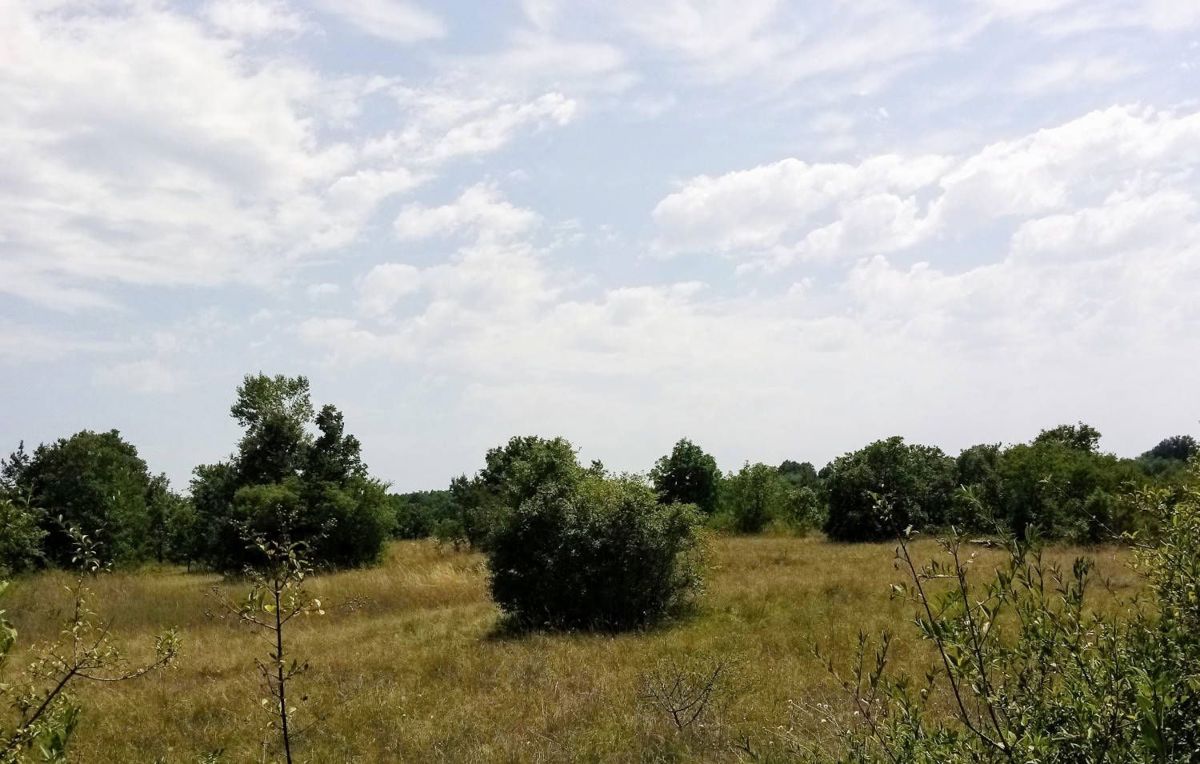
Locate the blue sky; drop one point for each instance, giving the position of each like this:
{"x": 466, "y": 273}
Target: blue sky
{"x": 780, "y": 229}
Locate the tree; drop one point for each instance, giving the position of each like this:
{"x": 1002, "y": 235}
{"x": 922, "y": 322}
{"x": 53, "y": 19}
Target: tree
{"x": 600, "y": 553}
{"x": 283, "y": 481}
{"x": 687, "y": 475}
{"x": 97, "y": 482}
{"x": 799, "y": 474}
{"x": 1066, "y": 679}
{"x": 1056, "y": 487}
{"x": 754, "y": 496}
{"x": 512, "y": 474}
{"x": 887, "y": 486}
{"x": 1082, "y": 437}
{"x": 1177, "y": 447}
{"x": 419, "y": 513}
{"x": 84, "y": 651}
{"x": 978, "y": 502}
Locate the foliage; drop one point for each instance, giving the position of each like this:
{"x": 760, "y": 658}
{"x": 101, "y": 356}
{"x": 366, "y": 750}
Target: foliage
{"x": 799, "y": 474}
{"x": 1170, "y": 456}
{"x": 419, "y": 513}
{"x": 1065, "y": 492}
{"x": 1030, "y": 670}
{"x": 46, "y": 715}
{"x": 276, "y": 597}
{"x": 281, "y": 470}
{"x": 602, "y": 553}
{"x": 975, "y": 506}
{"x": 21, "y": 541}
{"x": 1177, "y": 447}
{"x": 754, "y": 496}
{"x": 687, "y": 475}
{"x": 887, "y": 486}
{"x": 1081, "y": 437}
{"x": 97, "y": 482}
{"x": 512, "y": 474}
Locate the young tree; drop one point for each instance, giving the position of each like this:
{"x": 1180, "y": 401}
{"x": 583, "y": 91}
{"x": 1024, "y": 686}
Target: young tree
{"x": 321, "y": 481}
{"x": 687, "y": 475}
{"x": 276, "y": 597}
{"x": 889, "y": 485}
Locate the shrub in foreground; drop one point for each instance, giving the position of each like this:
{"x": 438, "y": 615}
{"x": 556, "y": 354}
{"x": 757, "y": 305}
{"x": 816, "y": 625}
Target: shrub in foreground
{"x": 600, "y": 554}
{"x": 1030, "y": 670}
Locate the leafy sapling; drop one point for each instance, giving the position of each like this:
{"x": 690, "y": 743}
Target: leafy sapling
{"x": 84, "y": 651}
{"x": 276, "y": 597}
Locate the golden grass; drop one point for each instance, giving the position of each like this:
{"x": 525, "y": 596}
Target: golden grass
{"x": 413, "y": 670}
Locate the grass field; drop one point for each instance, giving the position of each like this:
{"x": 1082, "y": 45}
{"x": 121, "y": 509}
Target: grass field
{"x": 407, "y": 664}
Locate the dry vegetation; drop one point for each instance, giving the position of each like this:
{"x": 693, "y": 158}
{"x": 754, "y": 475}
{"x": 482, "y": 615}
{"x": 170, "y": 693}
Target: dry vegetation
{"x": 407, "y": 663}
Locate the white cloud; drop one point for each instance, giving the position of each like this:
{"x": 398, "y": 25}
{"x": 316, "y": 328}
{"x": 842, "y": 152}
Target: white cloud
{"x": 254, "y": 18}
{"x": 480, "y": 212}
{"x": 788, "y": 211}
{"x": 144, "y": 148}
{"x": 394, "y": 20}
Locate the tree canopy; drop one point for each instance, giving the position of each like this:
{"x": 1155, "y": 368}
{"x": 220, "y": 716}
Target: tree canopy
{"x": 687, "y": 475}
{"x": 285, "y": 481}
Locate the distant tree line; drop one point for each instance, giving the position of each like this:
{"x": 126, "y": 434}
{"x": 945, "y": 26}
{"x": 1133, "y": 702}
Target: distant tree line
{"x": 1060, "y": 485}
{"x": 296, "y": 471}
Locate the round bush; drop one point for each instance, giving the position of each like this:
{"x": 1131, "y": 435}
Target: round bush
{"x": 602, "y": 554}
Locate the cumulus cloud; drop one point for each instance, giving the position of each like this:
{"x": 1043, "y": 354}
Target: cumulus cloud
{"x": 789, "y": 211}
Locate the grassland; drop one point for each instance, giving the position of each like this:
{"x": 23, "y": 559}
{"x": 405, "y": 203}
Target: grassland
{"x": 407, "y": 664}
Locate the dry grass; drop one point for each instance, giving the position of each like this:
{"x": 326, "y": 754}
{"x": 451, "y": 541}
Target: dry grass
{"x": 411, "y": 668}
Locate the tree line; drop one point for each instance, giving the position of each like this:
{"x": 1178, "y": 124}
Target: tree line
{"x": 296, "y": 467}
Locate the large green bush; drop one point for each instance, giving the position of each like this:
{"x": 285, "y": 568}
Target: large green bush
{"x": 599, "y": 554}
{"x": 887, "y": 486}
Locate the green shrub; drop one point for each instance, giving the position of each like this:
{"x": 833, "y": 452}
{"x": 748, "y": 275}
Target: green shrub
{"x": 600, "y": 554}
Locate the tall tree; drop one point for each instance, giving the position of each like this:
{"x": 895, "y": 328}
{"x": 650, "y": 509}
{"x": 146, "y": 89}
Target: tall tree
{"x": 285, "y": 482}
{"x": 687, "y": 475}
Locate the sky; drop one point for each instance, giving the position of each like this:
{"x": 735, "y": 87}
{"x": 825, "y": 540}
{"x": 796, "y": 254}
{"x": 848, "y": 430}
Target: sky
{"x": 782, "y": 229}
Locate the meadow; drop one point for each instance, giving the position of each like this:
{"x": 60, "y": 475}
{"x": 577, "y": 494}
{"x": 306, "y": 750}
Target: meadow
{"x": 408, "y": 662}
